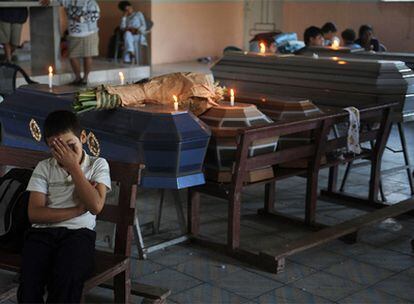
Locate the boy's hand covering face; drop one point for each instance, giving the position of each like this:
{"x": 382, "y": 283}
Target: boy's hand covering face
{"x": 67, "y": 155}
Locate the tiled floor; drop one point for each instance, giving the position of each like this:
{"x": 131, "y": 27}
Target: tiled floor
{"x": 379, "y": 268}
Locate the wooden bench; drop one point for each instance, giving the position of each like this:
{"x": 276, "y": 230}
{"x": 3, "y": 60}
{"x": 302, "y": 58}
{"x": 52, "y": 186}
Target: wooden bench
{"x": 108, "y": 265}
{"x": 319, "y": 126}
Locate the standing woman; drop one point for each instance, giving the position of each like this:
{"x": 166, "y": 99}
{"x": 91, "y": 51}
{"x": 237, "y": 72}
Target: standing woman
{"x": 83, "y": 36}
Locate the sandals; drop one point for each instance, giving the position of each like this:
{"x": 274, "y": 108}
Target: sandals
{"x": 78, "y": 82}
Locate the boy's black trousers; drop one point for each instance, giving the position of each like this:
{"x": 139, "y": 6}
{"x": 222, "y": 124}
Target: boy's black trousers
{"x": 56, "y": 260}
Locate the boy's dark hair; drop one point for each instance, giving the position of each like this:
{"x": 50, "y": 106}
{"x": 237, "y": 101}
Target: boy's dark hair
{"x": 61, "y": 121}
{"x": 348, "y": 35}
{"x": 329, "y": 27}
{"x": 364, "y": 28}
{"x": 123, "y": 4}
{"x": 311, "y": 32}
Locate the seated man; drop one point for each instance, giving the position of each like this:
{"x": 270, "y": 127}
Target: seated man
{"x": 366, "y": 39}
{"x": 313, "y": 38}
{"x": 348, "y": 38}
{"x": 329, "y": 31}
{"x": 133, "y": 26}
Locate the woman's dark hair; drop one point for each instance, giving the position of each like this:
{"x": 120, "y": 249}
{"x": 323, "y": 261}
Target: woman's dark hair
{"x": 348, "y": 35}
{"x": 123, "y": 4}
{"x": 363, "y": 29}
{"x": 60, "y": 122}
{"x": 329, "y": 27}
{"x": 311, "y": 32}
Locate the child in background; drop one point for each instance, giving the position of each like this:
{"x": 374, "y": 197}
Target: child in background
{"x": 348, "y": 38}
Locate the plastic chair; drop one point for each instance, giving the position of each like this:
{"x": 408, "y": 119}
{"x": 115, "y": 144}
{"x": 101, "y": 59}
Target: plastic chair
{"x": 8, "y": 75}
{"x": 137, "y": 47}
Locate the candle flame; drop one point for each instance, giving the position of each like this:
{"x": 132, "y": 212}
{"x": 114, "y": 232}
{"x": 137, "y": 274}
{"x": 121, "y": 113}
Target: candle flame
{"x": 335, "y": 44}
{"x": 342, "y": 62}
{"x": 50, "y": 69}
{"x": 231, "y": 93}
{"x": 262, "y": 47}
{"x": 335, "y": 58}
{"x": 121, "y": 75}
{"x": 175, "y": 98}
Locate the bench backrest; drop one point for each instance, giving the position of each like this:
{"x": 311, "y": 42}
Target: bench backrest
{"x": 319, "y": 128}
{"x": 126, "y": 174}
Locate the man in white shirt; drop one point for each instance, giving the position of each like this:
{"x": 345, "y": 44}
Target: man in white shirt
{"x": 66, "y": 192}
{"x": 83, "y": 36}
{"x": 134, "y": 27}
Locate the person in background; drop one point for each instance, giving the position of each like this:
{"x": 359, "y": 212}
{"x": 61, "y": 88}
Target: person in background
{"x": 313, "y": 36}
{"x": 348, "y": 38}
{"x": 11, "y": 22}
{"x": 83, "y": 39}
{"x": 329, "y": 31}
{"x": 133, "y": 27}
{"x": 366, "y": 39}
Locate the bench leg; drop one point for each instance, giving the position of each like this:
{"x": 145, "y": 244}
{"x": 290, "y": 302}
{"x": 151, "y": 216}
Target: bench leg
{"x": 179, "y": 211}
{"x": 333, "y": 179}
{"x": 193, "y": 210}
{"x": 269, "y": 203}
{"x": 122, "y": 288}
{"x": 158, "y": 212}
{"x": 233, "y": 230}
{"x": 311, "y": 196}
{"x": 406, "y": 156}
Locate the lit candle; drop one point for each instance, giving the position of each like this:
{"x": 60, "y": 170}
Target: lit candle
{"x": 335, "y": 43}
{"x": 175, "y": 103}
{"x": 232, "y": 97}
{"x": 122, "y": 78}
{"x": 50, "y": 77}
{"x": 262, "y": 48}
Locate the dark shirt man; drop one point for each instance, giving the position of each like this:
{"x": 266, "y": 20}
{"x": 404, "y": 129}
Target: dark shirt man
{"x": 313, "y": 37}
{"x": 11, "y": 22}
{"x": 366, "y": 39}
{"x": 348, "y": 38}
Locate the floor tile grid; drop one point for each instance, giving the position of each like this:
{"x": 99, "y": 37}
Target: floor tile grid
{"x": 173, "y": 267}
{"x": 368, "y": 286}
{"x": 287, "y": 285}
{"x": 201, "y": 283}
{"x": 382, "y": 290}
{"x": 244, "y": 267}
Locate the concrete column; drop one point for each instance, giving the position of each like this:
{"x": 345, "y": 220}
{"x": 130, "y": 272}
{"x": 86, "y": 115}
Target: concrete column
{"x": 45, "y": 38}
{"x": 261, "y": 16}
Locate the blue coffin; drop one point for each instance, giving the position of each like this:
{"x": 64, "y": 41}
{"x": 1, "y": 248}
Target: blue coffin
{"x": 171, "y": 144}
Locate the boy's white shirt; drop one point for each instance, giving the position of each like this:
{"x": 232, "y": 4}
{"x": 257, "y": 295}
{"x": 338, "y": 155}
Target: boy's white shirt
{"x": 51, "y": 179}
